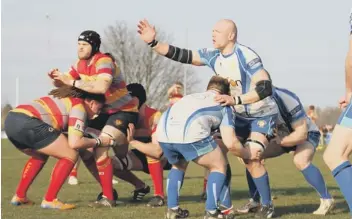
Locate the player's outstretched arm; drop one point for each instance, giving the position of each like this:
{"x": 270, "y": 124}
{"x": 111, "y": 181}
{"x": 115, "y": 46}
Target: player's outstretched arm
{"x": 152, "y": 149}
{"x": 298, "y": 136}
{"x": 148, "y": 34}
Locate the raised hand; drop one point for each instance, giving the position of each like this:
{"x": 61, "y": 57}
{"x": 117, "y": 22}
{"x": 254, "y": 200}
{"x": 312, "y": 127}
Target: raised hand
{"x": 146, "y": 31}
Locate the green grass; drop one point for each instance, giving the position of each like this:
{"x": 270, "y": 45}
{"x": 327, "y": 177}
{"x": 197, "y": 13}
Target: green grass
{"x": 295, "y": 199}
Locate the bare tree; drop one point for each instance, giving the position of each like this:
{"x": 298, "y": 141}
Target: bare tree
{"x": 4, "y": 111}
{"x": 140, "y": 64}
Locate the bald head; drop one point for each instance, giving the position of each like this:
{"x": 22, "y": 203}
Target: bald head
{"x": 228, "y": 27}
{"x": 224, "y": 34}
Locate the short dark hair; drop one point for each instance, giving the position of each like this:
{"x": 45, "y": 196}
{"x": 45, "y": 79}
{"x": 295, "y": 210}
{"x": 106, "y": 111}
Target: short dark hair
{"x": 312, "y": 107}
{"x": 137, "y": 90}
{"x": 219, "y": 83}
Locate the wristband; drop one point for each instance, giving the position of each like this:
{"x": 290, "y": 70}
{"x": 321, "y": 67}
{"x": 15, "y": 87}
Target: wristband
{"x": 153, "y": 43}
{"x": 238, "y": 100}
{"x": 98, "y": 142}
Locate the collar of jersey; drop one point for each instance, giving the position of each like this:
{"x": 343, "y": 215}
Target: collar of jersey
{"x": 233, "y": 51}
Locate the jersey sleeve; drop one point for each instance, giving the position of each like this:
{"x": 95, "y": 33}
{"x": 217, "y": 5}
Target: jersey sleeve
{"x": 253, "y": 62}
{"x": 227, "y": 117}
{"x": 77, "y": 121}
{"x": 73, "y": 73}
{"x": 105, "y": 68}
{"x": 297, "y": 113}
{"x": 156, "y": 117}
{"x": 208, "y": 56}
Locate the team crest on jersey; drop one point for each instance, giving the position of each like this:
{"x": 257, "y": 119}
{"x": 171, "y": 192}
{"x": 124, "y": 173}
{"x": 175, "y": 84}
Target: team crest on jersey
{"x": 79, "y": 125}
{"x": 118, "y": 122}
{"x": 261, "y": 123}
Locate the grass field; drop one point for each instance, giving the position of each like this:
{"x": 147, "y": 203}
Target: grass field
{"x": 295, "y": 199}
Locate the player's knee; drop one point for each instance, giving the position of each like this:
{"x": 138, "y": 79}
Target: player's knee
{"x": 301, "y": 163}
{"x": 101, "y": 153}
{"x": 72, "y": 155}
{"x": 331, "y": 159}
{"x": 253, "y": 147}
{"x": 114, "y": 133}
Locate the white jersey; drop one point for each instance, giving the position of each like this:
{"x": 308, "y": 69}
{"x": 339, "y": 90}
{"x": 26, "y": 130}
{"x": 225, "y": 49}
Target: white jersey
{"x": 239, "y": 67}
{"x": 193, "y": 118}
{"x": 291, "y": 111}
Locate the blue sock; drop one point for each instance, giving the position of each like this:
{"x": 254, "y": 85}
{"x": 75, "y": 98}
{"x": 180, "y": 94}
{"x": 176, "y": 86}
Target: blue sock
{"x": 315, "y": 179}
{"x": 225, "y": 194}
{"x": 263, "y": 187}
{"x": 215, "y": 183}
{"x": 343, "y": 176}
{"x": 173, "y": 186}
{"x": 253, "y": 192}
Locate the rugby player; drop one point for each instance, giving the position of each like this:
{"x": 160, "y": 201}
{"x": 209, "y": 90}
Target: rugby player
{"x": 143, "y": 135}
{"x": 184, "y": 134}
{"x": 96, "y": 72}
{"x": 36, "y": 129}
{"x": 340, "y": 147}
{"x": 298, "y": 133}
{"x": 251, "y": 90}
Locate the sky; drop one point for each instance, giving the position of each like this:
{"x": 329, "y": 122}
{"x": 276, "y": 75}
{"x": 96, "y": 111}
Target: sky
{"x": 303, "y": 44}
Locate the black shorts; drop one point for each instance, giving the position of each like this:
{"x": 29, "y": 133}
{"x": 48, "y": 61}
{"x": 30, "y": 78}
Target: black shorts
{"x": 289, "y": 149}
{"x": 144, "y": 161}
{"x": 29, "y": 132}
{"x": 119, "y": 120}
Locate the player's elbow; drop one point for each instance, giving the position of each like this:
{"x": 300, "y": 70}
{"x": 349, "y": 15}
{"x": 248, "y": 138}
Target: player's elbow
{"x": 74, "y": 144}
{"x": 158, "y": 152}
{"x": 264, "y": 89}
{"x": 230, "y": 144}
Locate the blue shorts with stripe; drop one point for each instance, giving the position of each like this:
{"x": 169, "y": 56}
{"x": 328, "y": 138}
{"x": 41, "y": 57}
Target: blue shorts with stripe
{"x": 174, "y": 152}
{"x": 345, "y": 118}
{"x": 313, "y": 138}
{"x": 264, "y": 125}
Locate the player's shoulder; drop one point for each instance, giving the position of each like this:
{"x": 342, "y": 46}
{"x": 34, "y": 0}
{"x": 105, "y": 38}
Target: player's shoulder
{"x": 76, "y": 103}
{"x": 101, "y": 58}
{"x": 247, "y": 51}
{"x": 285, "y": 93}
{"x": 208, "y": 52}
{"x": 289, "y": 99}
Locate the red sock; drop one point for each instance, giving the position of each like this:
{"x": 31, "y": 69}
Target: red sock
{"x": 105, "y": 173}
{"x": 60, "y": 173}
{"x": 74, "y": 172}
{"x": 30, "y": 171}
{"x": 205, "y": 184}
{"x": 156, "y": 172}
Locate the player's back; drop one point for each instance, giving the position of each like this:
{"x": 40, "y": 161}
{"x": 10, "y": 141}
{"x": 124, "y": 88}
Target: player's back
{"x": 291, "y": 108}
{"x": 53, "y": 111}
{"x": 190, "y": 119}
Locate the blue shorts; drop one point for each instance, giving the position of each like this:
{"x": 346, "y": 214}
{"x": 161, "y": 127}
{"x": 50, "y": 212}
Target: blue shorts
{"x": 313, "y": 138}
{"x": 345, "y": 118}
{"x": 174, "y": 152}
{"x": 264, "y": 125}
